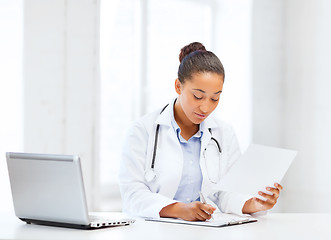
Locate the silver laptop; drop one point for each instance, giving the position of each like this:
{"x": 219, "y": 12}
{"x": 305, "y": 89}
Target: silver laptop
{"x": 48, "y": 189}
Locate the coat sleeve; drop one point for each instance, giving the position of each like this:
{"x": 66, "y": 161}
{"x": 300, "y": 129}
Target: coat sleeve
{"x": 137, "y": 198}
{"x": 230, "y": 202}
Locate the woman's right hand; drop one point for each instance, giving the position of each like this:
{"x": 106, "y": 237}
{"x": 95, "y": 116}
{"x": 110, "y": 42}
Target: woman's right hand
{"x": 194, "y": 211}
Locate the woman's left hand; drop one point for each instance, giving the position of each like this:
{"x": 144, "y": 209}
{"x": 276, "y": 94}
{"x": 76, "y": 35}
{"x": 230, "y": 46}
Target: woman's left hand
{"x": 254, "y": 205}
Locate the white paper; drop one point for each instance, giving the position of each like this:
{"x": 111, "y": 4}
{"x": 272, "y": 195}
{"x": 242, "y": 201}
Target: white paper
{"x": 259, "y": 167}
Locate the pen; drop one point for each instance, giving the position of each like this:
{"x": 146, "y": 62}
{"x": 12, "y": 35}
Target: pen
{"x": 203, "y": 200}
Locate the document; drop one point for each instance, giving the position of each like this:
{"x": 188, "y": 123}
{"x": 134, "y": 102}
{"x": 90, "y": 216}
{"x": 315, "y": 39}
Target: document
{"x": 220, "y": 220}
{"x": 259, "y": 167}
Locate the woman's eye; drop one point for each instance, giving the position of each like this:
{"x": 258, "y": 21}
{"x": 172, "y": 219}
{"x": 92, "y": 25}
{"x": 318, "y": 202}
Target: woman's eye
{"x": 199, "y": 98}
{"x": 215, "y": 100}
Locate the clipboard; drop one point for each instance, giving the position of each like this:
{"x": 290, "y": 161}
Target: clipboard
{"x": 220, "y": 220}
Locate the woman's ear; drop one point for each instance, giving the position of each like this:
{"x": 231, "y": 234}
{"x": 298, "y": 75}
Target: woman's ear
{"x": 178, "y": 87}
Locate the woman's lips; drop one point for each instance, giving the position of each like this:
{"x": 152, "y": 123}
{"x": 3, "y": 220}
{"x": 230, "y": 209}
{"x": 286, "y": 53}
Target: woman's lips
{"x": 202, "y": 116}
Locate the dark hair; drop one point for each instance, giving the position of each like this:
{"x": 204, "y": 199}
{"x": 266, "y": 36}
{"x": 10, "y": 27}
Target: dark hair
{"x": 195, "y": 58}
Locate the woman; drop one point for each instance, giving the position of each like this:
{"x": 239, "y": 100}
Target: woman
{"x": 174, "y": 153}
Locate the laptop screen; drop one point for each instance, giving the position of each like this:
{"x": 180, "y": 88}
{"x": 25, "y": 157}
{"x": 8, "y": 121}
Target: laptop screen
{"x": 47, "y": 187}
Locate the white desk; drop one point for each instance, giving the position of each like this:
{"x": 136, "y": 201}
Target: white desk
{"x": 272, "y": 226}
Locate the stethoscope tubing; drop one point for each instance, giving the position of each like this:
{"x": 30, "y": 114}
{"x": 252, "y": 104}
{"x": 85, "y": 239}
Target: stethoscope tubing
{"x": 155, "y": 145}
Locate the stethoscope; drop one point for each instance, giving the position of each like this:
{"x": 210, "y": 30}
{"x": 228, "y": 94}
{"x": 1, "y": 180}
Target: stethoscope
{"x": 213, "y": 171}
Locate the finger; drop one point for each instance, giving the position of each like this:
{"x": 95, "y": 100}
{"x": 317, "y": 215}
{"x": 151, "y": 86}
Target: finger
{"x": 202, "y": 209}
{"x": 275, "y": 191}
{"x": 277, "y": 185}
{"x": 208, "y": 208}
{"x": 202, "y": 215}
{"x": 198, "y": 217}
{"x": 271, "y": 198}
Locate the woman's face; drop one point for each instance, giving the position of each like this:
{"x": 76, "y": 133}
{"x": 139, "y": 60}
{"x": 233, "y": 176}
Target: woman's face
{"x": 199, "y": 96}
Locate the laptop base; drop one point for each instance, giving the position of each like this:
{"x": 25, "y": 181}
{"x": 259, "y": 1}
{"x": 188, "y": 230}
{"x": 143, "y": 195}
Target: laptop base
{"x": 55, "y": 224}
{"x": 65, "y": 225}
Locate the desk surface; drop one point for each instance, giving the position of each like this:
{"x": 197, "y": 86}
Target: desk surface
{"x": 271, "y": 226}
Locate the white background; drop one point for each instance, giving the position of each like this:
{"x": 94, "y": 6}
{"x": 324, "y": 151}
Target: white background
{"x": 276, "y": 56}
{"x": 11, "y": 89}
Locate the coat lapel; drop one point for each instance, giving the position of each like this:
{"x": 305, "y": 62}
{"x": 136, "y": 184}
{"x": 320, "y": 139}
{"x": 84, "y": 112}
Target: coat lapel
{"x": 169, "y": 158}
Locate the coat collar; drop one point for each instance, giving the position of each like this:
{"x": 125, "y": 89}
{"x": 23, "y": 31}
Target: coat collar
{"x": 165, "y": 118}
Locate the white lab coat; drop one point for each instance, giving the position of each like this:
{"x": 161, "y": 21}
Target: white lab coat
{"x": 146, "y": 199}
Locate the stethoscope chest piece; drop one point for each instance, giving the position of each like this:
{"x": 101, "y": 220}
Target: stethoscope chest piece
{"x": 150, "y": 175}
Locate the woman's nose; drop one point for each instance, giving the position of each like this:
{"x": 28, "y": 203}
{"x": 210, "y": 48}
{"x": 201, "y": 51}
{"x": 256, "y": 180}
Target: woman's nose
{"x": 204, "y": 107}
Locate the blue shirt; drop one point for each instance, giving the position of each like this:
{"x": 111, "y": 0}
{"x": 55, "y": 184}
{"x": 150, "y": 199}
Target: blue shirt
{"x": 191, "y": 181}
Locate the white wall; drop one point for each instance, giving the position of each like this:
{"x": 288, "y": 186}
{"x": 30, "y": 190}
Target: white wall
{"x": 232, "y": 44}
{"x": 61, "y": 80}
{"x": 11, "y": 121}
{"x": 267, "y": 71}
{"x": 268, "y": 95}
{"x": 308, "y": 105}
{"x": 291, "y": 99}
{"x": 289, "y": 69}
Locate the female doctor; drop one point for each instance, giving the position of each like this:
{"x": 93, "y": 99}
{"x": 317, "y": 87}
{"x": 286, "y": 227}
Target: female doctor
{"x": 178, "y": 151}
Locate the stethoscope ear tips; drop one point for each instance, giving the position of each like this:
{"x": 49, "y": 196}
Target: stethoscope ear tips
{"x": 150, "y": 175}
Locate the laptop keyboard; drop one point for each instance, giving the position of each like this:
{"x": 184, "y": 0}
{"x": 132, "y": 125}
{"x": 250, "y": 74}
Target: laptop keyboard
{"x": 96, "y": 218}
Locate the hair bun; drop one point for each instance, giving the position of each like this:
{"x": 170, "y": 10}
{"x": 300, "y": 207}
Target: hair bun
{"x": 190, "y": 48}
